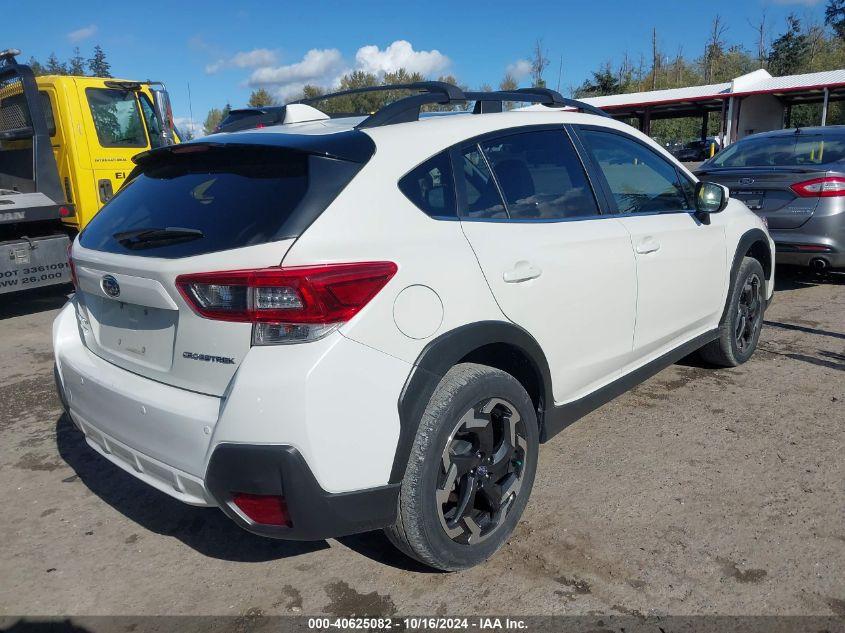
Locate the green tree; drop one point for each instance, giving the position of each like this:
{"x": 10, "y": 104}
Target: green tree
{"x": 310, "y": 91}
{"x": 37, "y": 67}
{"x": 212, "y": 120}
{"x": 54, "y": 66}
{"x": 604, "y": 82}
{"x": 789, "y": 51}
{"x": 260, "y": 98}
{"x": 834, "y": 17}
{"x": 98, "y": 65}
{"x": 76, "y": 65}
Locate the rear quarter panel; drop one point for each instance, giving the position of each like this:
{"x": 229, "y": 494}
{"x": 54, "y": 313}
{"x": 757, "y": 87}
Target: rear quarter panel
{"x": 372, "y": 220}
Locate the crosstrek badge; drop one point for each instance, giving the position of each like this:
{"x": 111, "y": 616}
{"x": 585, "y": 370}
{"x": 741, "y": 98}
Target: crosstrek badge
{"x": 209, "y": 358}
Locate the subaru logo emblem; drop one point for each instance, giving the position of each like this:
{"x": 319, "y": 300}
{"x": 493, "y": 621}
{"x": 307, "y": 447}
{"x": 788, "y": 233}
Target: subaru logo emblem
{"x": 110, "y": 286}
{"x": 746, "y": 181}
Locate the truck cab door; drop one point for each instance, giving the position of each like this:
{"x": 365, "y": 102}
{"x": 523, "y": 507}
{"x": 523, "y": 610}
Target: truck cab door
{"x": 116, "y": 132}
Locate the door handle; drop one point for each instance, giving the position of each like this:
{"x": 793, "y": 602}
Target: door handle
{"x": 648, "y": 245}
{"x": 522, "y": 271}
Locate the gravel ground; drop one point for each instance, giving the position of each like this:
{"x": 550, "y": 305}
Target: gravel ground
{"x": 700, "y": 492}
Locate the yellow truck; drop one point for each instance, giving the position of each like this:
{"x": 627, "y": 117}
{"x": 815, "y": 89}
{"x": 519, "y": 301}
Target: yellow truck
{"x": 66, "y": 146}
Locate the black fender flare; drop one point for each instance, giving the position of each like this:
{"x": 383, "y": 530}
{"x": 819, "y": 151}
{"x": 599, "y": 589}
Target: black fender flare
{"x": 745, "y": 242}
{"x": 439, "y": 356}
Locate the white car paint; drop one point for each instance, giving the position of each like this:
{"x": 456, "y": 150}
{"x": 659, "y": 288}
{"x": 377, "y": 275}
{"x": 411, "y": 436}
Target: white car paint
{"x": 598, "y": 308}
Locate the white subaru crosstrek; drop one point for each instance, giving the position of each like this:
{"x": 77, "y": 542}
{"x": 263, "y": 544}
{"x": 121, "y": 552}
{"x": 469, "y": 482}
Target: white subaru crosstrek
{"x": 337, "y": 325}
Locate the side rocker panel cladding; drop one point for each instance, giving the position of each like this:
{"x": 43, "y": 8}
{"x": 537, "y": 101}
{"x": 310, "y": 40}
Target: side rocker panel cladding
{"x": 444, "y": 352}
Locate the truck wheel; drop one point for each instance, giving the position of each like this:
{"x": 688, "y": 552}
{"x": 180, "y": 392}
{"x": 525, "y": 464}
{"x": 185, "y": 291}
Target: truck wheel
{"x": 740, "y": 329}
{"x": 471, "y": 469}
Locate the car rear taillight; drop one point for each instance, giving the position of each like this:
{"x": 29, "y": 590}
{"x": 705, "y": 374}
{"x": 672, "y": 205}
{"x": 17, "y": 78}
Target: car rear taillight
{"x": 72, "y": 267}
{"x": 828, "y": 187}
{"x": 286, "y": 305}
{"x": 264, "y": 509}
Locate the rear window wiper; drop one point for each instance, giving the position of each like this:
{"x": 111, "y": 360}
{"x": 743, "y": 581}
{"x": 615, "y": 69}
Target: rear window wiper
{"x": 149, "y": 237}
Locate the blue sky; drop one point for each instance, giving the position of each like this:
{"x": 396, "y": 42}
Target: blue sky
{"x": 224, "y": 49}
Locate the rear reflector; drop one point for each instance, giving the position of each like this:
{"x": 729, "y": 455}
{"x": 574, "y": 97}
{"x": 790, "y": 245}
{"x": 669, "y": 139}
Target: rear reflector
{"x": 828, "y": 187}
{"x": 287, "y": 305}
{"x": 72, "y": 267}
{"x": 264, "y": 509}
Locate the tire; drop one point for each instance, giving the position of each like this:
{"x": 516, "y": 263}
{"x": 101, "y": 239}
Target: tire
{"x": 464, "y": 450}
{"x": 743, "y": 320}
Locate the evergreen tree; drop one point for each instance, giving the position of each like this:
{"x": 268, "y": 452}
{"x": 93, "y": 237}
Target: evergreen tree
{"x": 54, "y": 66}
{"x": 834, "y": 17}
{"x": 788, "y": 51}
{"x": 37, "y": 67}
{"x": 604, "y": 82}
{"x": 98, "y": 65}
{"x": 76, "y": 66}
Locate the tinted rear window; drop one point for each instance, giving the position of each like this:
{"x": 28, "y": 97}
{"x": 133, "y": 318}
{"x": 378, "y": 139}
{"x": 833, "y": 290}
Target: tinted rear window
{"x": 782, "y": 151}
{"x": 235, "y": 197}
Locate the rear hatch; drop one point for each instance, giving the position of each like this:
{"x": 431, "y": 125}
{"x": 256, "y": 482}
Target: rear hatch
{"x": 766, "y": 171}
{"x": 767, "y": 191}
{"x": 192, "y": 208}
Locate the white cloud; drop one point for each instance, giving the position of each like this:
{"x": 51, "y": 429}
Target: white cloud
{"x": 315, "y": 66}
{"x": 520, "y": 69}
{"x": 82, "y": 34}
{"x": 244, "y": 59}
{"x": 325, "y": 67}
{"x": 322, "y": 67}
{"x": 400, "y": 54}
{"x": 185, "y": 124}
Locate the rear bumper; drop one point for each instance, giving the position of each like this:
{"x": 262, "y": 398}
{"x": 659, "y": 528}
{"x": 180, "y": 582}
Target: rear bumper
{"x": 275, "y": 432}
{"x": 281, "y": 470}
{"x": 824, "y": 232}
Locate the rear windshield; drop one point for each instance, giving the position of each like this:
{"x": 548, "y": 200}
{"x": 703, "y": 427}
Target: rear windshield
{"x": 203, "y": 202}
{"x": 239, "y": 116}
{"x": 782, "y": 151}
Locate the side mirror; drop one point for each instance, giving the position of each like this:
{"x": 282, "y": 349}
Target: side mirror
{"x": 710, "y": 197}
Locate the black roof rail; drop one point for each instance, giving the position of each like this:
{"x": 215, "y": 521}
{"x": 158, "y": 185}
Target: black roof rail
{"x": 492, "y": 101}
{"x": 403, "y": 110}
{"x": 408, "y": 108}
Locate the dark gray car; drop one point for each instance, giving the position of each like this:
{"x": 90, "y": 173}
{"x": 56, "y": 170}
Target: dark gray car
{"x": 795, "y": 179}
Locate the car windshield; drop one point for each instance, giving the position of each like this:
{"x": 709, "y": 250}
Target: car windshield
{"x": 782, "y": 151}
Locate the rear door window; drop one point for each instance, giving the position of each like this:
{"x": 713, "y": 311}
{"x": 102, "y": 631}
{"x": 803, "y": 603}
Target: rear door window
{"x": 430, "y": 187}
{"x": 215, "y": 200}
{"x": 540, "y": 176}
{"x": 483, "y": 199}
{"x": 117, "y": 118}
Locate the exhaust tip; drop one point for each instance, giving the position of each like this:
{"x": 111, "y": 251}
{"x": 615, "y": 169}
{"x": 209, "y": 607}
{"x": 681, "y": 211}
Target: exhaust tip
{"x": 819, "y": 264}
